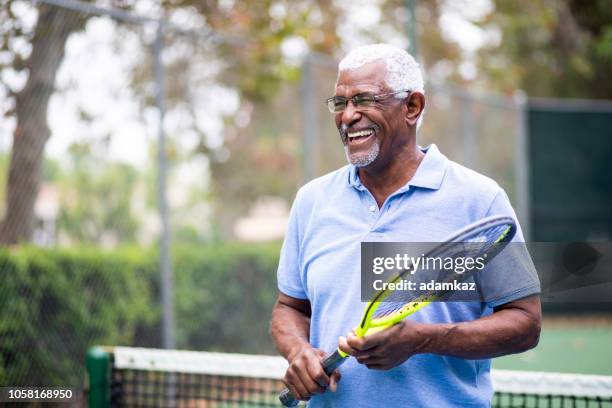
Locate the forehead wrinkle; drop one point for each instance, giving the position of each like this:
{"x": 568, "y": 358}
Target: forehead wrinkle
{"x": 367, "y": 78}
{"x": 355, "y": 89}
{"x": 369, "y": 75}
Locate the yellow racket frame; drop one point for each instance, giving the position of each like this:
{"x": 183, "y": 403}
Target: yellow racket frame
{"x": 371, "y": 325}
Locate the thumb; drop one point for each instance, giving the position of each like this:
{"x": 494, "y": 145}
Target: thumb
{"x": 333, "y": 380}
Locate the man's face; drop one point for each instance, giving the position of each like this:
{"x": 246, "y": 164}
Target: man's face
{"x": 367, "y": 132}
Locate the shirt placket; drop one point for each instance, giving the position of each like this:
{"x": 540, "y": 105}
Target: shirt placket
{"x": 376, "y": 214}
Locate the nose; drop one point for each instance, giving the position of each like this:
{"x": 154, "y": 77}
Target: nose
{"x": 350, "y": 114}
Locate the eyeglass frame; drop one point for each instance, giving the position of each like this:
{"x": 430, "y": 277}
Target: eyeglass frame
{"x": 375, "y": 98}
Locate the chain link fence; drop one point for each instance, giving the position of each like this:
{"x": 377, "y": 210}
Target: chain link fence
{"x": 130, "y": 142}
{"x": 486, "y": 133}
{"x": 110, "y": 126}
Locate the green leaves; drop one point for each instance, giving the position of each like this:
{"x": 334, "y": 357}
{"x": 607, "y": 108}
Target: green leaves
{"x": 561, "y": 48}
{"x": 55, "y": 304}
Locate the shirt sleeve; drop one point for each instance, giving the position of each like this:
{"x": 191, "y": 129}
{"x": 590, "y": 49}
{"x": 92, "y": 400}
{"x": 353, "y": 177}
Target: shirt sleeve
{"x": 289, "y": 276}
{"x": 511, "y": 275}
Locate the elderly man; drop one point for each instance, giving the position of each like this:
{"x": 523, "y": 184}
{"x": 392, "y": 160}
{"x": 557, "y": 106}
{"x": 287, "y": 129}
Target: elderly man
{"x": 392, "y": 190}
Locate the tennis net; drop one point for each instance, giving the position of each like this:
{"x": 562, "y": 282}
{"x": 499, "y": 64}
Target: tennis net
{"x": 136, "y": 377}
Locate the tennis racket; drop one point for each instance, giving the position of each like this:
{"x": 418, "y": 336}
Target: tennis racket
{"x": 388, "y": 307}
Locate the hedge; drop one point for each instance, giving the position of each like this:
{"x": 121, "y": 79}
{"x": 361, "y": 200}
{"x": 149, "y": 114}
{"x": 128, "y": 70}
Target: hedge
{"x": 56, "y": 303}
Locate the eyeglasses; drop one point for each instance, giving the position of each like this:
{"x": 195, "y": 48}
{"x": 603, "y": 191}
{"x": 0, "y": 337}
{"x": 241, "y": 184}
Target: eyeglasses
{"x": 337, "y": 104}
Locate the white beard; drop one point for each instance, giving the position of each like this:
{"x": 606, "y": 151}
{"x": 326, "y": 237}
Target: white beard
{"x": 361, "y": 160}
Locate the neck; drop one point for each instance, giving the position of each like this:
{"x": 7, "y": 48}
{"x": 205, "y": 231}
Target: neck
{"x": 386, "y": 178}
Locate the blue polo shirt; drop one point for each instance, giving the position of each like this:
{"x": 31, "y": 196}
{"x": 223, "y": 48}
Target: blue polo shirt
{"x": 320, "y": 261}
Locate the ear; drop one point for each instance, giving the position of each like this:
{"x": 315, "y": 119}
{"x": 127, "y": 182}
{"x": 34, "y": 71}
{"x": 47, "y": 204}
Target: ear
{"x": 415, "y": 106}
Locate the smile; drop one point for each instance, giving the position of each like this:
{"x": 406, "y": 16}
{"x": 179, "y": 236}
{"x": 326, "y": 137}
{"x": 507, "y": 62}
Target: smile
{"x": 359, "y": 136}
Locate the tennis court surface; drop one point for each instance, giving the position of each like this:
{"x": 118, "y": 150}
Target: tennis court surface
{"x": 137, "y": 377}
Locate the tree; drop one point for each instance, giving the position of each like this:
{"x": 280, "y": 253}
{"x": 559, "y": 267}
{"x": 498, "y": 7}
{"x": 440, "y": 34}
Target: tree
{"x": 256, "y": 65}
{"x": 48, "y": 40}
{"x": 553, "y": 48}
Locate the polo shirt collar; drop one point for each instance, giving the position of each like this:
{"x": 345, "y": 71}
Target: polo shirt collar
{"x": 429, "y": 174}
{"x": 432, "y": 169}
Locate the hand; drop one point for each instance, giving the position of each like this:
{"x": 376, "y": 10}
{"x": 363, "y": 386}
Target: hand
{"x": 387, "y": 348}
{"x": 305, "y": 375}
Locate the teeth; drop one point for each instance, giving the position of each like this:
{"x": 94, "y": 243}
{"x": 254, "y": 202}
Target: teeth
{"x": 366, "y": 132}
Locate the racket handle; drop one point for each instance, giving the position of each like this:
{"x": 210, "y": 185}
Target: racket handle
{"x": 287, "y": 399}
{"x": 329, "y": 363}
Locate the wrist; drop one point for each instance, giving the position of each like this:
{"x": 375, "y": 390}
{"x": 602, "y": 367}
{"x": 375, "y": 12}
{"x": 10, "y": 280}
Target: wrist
{"x": 424, "y": 338}
{"x": 434, "y": 337}
{"x": 296, "y": 350}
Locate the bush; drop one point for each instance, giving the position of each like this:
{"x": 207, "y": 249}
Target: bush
{"x": 224, "y": 297}
{"x": 55, "y": 304}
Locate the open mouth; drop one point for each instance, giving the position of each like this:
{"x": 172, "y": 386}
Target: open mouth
{"x": 359, "y": 137}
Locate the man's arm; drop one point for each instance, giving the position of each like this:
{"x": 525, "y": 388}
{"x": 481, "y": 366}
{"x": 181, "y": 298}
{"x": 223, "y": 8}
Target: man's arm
{"x": 290, "y": 328}
{"x": 512, "y": 328}
{"x": 290, "y": 325}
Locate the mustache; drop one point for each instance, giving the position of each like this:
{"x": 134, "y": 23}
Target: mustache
{"x": 344, "y": 131}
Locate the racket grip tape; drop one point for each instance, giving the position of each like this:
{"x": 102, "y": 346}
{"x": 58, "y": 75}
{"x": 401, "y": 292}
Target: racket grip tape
{"x": 329, "y": 363}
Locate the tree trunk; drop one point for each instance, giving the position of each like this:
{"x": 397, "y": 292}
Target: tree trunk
{"x": 32, "y": 132}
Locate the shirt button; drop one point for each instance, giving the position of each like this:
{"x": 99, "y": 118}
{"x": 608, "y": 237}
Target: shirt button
{"x": 372, "y": 208}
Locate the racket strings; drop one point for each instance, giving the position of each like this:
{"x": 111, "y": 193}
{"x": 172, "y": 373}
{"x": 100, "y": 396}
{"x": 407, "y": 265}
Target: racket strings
{"x": 487, "y": 241}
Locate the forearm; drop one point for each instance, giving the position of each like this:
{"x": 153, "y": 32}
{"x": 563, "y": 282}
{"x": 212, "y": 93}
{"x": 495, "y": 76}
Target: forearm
{"x": 507, "y": 331}
{"x": 290, "y": 330}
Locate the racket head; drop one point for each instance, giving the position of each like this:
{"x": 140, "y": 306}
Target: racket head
{"x": 488, "y": 235}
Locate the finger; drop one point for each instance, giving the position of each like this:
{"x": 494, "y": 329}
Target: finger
{"x": 311, "y": 387}
{"x": 345, "y": 347}
{"x": 333, "y": 380}
{"x": 377, "y": 351}
{"x": 369, "y": 358}
{"x": 357, "y": 343}
{"x": 317, "y": 374}
{"x": 306, "y": 370}
{"x": 374, "y": 340}
{"x": 298, "y": 393}
{"x": 300, "y": 377}
{"x": 295, "y": 385}
{"x": 364, "y": 358}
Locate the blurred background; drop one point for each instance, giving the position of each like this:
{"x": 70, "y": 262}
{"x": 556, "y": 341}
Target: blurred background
{"x": 150, "y": 151}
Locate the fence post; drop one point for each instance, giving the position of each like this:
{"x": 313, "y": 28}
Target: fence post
{"x": 168, "y": 337}
{"x": 98, "y": 375}
{"x": 468, "y": 129}
{"x": 411, "y": 28}
{"x": 522, "y": 164}
{"x": 310, "y": 123}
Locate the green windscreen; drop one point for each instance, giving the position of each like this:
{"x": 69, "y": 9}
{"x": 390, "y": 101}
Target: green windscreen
{"x": 571, "y": 172}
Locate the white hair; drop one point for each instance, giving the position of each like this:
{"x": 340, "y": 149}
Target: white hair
{"x": 403, "y": 72}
